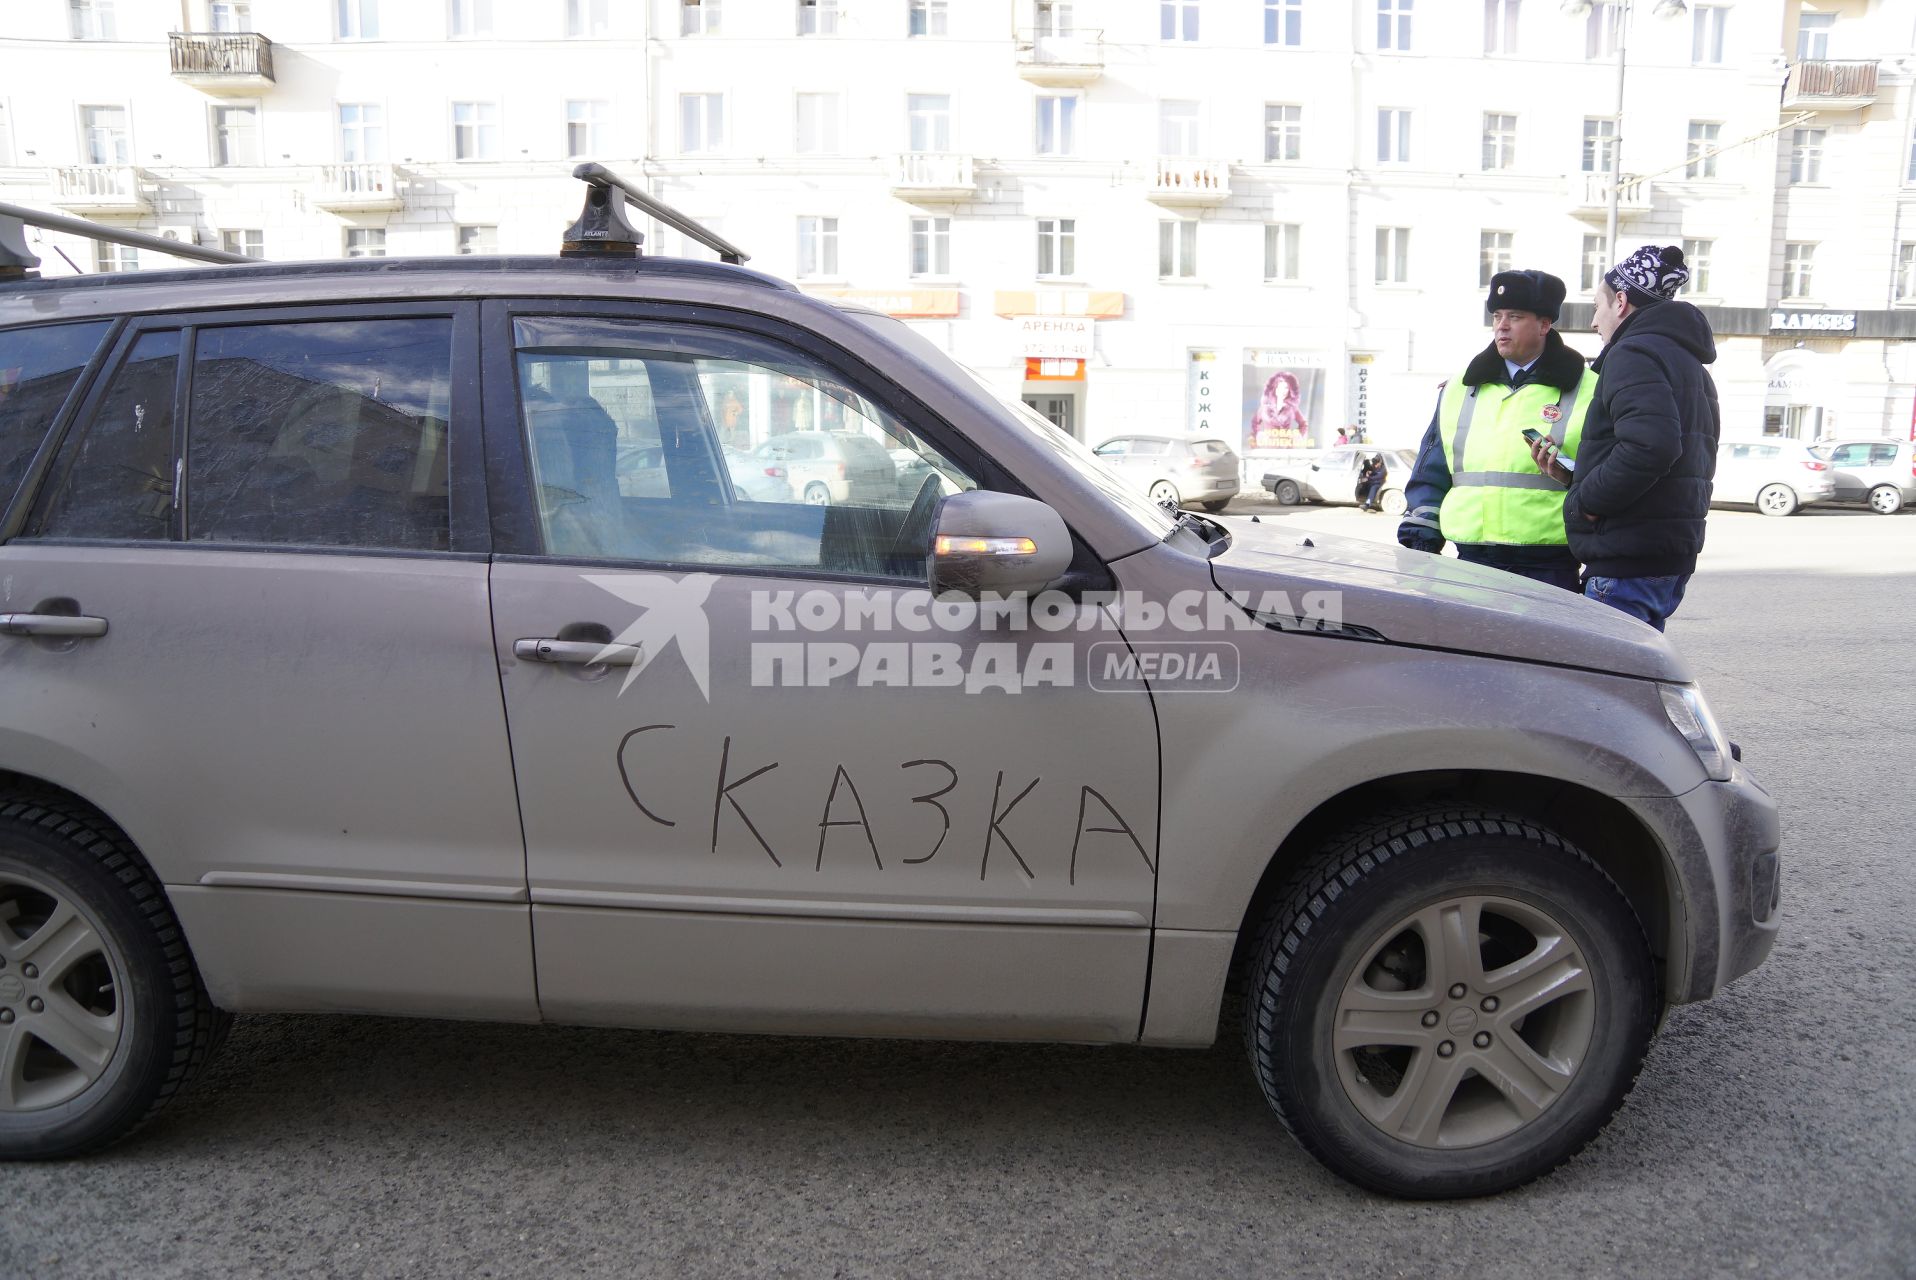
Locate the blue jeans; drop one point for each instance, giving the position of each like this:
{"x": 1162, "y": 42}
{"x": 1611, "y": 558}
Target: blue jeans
{"x": 1651, "y": 599}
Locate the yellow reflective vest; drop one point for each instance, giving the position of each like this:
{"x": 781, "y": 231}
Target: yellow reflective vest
{"x": 1497, "y": 495}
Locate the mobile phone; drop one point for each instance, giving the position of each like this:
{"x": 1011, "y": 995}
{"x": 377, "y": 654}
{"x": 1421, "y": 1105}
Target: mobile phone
{"x": 1533, "y": 435}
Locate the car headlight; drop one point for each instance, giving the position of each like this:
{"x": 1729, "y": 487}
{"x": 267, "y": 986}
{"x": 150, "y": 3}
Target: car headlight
{"x": 1687, "y": 710}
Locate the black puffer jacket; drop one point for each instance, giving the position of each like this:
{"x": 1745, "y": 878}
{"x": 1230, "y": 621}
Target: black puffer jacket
{"x": 1648, "y": 455}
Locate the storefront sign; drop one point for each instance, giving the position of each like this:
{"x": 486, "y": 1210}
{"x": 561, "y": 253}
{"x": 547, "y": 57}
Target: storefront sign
{"x": 1360, "y": 392}
{"x": 1095, "y": 304}
{"x": 1813, "y": 321}
{"x": 1204, "y": 392}
{"x": 1282, "y": 399}
{"x": 900, "y": 302}
{"x": 1055, "y": 337}
{"x": 1037, "y": 370}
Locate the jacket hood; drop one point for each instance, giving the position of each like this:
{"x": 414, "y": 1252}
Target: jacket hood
{"x": 1399, "y": 596}
{"x": 1560, "y": 365}
{"x": 1674, "y": 321}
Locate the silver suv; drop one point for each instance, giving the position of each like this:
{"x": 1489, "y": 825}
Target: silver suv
{"x": 338, "y": 672}
{"x": 1880, "y": 474}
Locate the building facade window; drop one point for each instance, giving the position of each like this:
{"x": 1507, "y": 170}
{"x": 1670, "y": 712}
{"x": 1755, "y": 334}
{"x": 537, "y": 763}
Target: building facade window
{"x": 104, "y": 135}
{"x": 1706, "y": 34}
{"x": 1906, "y": 272}
{"x": 477, "y": 239}
{"x": 356, "y": 19}
{"x": 1281, "y": 246}
{"x": 1178, "y": 20}
{"x": 470, "y": 19}
{"x": 699, "y": 17}
{"x": 1602, "y": 29}
{"x": 1054, "y": 18}
{"x": 1284, "y": 23}
{"x": 1177, "y": 128}
{"x": 1599, "y": 144}
{"x": 818, "y": 17}
{"x": 1393, "y": 25}
{"x": 818, "y": 124}
{"x": 1696, "y": 256}
{"x": 1283, "y": 132}
{"x": 1393, "y": 255}
{"x": 1813, "y": 36}
{"x": 928, "y": 121}
{"x": 1500, "y": 141}
{"x": 1057, "y": 124}
{"x": 585, "y": 123}
{"x": 362, "y": 133}
{"x": 115, "y": 257}
{"x": 931, "y": 246}
{"x": 1806, "y": 155}
{"x": 1177, "y": 249}
{"x": 1799, "y": 261}
{"x": 1705, "y": 137}
{"x": 1500, "y": 26}
{"x": 585, "y": 19}
{"x": 1593, "y": 264}
{"x": 1057, "y": 248}
{"x": 231, "y": 15}
{"x": 701, "y": 122}
{"x": 475, "y": 130}
{"x": 246, "y": 240}
{"x": 1393, "y": 136}
{"x": 928, "y": 18}
{"x": 1494, "y": 253}
{"x": 236, "y": 135}
{"x": 817, "y": 246}
{"x": 365, "y": 242}
{"x": 92, "y": 20}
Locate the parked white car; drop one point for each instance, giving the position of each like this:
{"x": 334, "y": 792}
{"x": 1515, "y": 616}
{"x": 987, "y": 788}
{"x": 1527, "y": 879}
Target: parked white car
{"x": 1880, "y": 473}
{"x": 1777, "y": 476}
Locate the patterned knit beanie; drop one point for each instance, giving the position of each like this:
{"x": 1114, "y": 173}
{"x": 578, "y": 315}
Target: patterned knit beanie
{"x": 1650, "y": 275}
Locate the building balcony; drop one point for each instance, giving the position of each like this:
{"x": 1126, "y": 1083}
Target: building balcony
{"x": 1829, "y": 86}
{"x": 1061, "y": 58}
{"x": 1590, "y": 196}
{"x": 222, "y": 62}
{"x": 932, "y": 175}
{"x": 99, "y": 188}
{"x": 1182, "y": 180}
{"x": 357, "y": 188}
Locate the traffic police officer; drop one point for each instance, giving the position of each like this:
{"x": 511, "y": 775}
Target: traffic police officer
{"x": 1476, "y": 483}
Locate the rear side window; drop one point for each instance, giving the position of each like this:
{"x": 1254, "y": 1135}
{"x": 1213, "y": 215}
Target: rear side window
{"x": 38, "y": 368}
{"x": 1151, "y": 448}
{"x": 114, "y": 479}
{"x": 1882, "y": 454}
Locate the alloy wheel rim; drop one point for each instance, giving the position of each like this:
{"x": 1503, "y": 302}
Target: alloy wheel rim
{"x": 62, "y": 1009}
{"x": 1886, "y": 500}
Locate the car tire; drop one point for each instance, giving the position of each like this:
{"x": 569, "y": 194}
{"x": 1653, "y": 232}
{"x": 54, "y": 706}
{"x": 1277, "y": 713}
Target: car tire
{"x": 1165, "y": 494}
{"x": 1393, "y": 503}
{"x": 1885, "y": 499}
{"x": 818, "y": 494}
{"x": 95, "y": 1043}
{"x": 1287, "y": 493}
{"x": 1215, "y": 507}
{"x": 1776, "y": 500}
{"x": 1549, "y": 922}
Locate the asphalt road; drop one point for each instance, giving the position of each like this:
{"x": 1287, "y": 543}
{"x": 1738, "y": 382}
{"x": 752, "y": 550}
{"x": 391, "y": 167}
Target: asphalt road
{"x": 1772, "y": 1134}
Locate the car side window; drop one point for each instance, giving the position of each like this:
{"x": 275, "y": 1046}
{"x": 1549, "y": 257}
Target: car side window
{"x": 1882, "y": 454}
{"x": 1150, "y": 448}
{"x": 701, "y": 448}
{"x": 38, "y": 368}
{"x": 1112, "y": 448}
{"x": 114, "y": 479}
{"x": 1850, "y": 455}
{"x": 324, "y": 433}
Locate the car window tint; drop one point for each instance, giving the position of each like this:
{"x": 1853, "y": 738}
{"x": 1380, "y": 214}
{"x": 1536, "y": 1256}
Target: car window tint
{"x": 38, "y": 368}
{"x": 114, "y": 477}
{"x": 328, "y": 433}
{"x": 642, "y": 450}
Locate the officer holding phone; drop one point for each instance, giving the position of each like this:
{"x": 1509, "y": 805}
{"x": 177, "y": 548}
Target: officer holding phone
{"x": 1477, "y": 481}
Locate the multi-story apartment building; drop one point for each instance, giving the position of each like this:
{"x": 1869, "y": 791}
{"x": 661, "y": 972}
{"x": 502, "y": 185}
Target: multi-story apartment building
{"x": 1136, "y": 213}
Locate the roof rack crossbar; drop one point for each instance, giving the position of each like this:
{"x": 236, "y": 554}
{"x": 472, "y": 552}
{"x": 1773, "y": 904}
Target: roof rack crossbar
{"x": 16, "y": 262}
{"x": 597, "y": 175}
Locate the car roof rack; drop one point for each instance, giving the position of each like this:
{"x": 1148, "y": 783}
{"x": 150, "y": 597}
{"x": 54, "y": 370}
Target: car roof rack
{"x": 16, "y": 263}
{"x": 602, "y": 230}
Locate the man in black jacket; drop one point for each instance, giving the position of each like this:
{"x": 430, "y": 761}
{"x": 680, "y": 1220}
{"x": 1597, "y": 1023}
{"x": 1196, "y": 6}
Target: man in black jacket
{"x": 1641, "y": 489}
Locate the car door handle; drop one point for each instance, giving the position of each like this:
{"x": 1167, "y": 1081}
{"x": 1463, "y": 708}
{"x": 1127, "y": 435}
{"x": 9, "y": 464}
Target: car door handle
{"x": 578, "y": 653}
{"x": 51, "y": 624}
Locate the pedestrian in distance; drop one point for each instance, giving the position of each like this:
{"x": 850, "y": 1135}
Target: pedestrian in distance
{"x": 1370, "y": 482}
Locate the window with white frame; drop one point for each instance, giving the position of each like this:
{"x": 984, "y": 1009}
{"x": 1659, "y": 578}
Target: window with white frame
{"x": 1500, "y": 26}
{"x": 1806, "y": 155}
{"x": 362, "y": 133}
{"x": 1700, "y": 149}
{"x": 818, "y": 17}
{"x": 1500, "y": 140}
{"x": 817, "y": 246}
{"x": 1599, "y": 144}
{"x": 698, "y": 17}
{"x": 236, "y": 135}
{"x": 249, "y": 241}
{"x": 475, "y": 130}
{"x": 1393, "y": 136}
{"x": 1177, "y": 249}
{"x": 104, "y": 135}
{"x": 1813, "y": 36}
{"x": 1696, "y": 256}
{"x": 585, "y": 19}
{"x": 1494, "y": 254}
{"x": 1706, "y": 34}
{"x": 115, "y": 257}
{"x": 476, "y": 239}
{"x": 585, "y": 126}
{"x": 365, "y": 242}
{"x": 1057, "y": 124}
{"x": 927, "y": 18}
{"x": 92, "y": 20}
{"x": 1178, "y": 20}
{"x": 356, "y": 19}
{"x": 1393, "y": 255}
{"x": 1054, "y": 18}
{"x": 931, "y": 246}
{"x": 1593, "y": 263}
{"x": 1057, "y": 248}
{"x": 817, "y": 124}
{"x": 230, "y": 15}
{"x": 1906, "y": 271}
{"x": 701, "y": 122}
{"x": 1281, "y": 246}
{"x": 1393, "y": 25}
{"x": 928, "y": 121}
{"x": 1283, "y": 131}
{"x": 1798, "y": 261}
{"x": 470, "y": 19}
{"x": 1177, "y": 128}
{"x": 1602, "y": 29}
{"x": 1284, "y": 23}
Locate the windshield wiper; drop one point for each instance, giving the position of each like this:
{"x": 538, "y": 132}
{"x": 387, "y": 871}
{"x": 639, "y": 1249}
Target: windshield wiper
{"x": 1216, "y": 537}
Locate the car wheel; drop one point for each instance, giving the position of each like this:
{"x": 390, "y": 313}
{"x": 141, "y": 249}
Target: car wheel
{"x": 1287, "y": 493}
{"x": 1450, "y": 1004}
{"x": 1885, "y": 499}
{"x": 1776, "y": 500}
{"x": 102, "y": 1014}
{"x": 1215, "y": 507}
{"x": 1393, "y": 502}
{"x": 817, "y": 494}
{"x": 1165, "y": 494}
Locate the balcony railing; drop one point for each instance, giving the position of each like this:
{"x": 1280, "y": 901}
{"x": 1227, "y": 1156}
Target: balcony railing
{"x": 932, "y": 175}
{"x": 1591, "y": 194}
{"x": 221, "y": 62}
{"x": 99, "y": 188}
{"x": 1830, "y": 85}
{"x": 357, "y": 186}
{"x": 1184, "y": 180}
{"x": 1069, "y": 57}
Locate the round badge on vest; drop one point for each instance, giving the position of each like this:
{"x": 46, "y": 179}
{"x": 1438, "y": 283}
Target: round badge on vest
{"x": 1551, "y": 413}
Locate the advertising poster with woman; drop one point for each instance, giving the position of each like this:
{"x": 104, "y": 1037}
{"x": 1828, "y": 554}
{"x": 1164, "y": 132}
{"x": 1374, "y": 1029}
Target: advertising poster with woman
{"x": 1284, "y": 401}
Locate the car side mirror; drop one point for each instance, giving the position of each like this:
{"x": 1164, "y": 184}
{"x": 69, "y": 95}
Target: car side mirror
{"x": 997, "y": 542}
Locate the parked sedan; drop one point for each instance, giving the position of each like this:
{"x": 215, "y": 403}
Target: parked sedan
{"x": 1173, "y": 470}
{"x": 1778, "y": 476}
{"x": 1881, "y": 473}
{"x": 1331, "y": 476}
{"x": 833, "y": 466}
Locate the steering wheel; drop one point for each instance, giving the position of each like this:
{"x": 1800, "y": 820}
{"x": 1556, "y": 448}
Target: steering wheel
{"x": 915, "y": 532}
